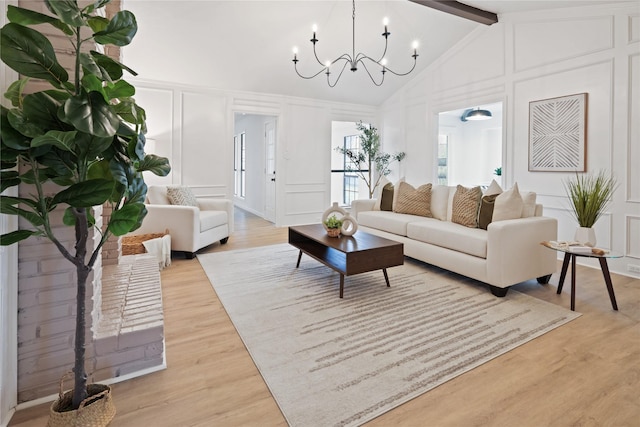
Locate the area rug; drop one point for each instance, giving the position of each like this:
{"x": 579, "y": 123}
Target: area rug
{"x": 341, "y": 362}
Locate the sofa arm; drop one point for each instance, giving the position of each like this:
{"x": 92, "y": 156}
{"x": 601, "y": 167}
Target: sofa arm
{"x": 514, "y": 253}
{"x": 219, "y": 205}
{"x": 361, "y": 205}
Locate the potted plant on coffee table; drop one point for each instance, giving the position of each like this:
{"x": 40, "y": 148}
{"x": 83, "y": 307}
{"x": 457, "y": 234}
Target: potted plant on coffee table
{"x": 333, "y": 226}
{"x": 589, "y": 194}
{"x": 75, "y": 144}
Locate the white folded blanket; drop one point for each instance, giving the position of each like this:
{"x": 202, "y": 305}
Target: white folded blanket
{"x": 161, "y": 248}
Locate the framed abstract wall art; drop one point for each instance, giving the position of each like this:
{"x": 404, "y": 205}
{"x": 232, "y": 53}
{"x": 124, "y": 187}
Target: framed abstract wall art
{"x": 558, "y": 134}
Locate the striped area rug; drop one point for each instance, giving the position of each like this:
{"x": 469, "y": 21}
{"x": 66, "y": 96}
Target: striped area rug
{"x": 341, "y": 362}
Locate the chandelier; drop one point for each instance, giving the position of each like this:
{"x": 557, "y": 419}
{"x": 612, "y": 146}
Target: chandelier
{"x": 354, "y": 60}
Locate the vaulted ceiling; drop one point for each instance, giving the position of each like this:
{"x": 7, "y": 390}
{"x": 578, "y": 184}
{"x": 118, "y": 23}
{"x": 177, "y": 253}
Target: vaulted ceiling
{"x": 247, "y": 45}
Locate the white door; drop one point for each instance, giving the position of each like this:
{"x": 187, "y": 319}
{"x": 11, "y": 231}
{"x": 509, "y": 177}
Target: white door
{"x": 270, "y": 171}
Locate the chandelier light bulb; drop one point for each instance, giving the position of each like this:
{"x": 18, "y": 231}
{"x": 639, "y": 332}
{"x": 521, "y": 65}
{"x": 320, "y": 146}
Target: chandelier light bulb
{"x": 327, "y": 64}
{"x": 295, "y": 50}
{"x": 385, "y": 21}
{"x": 383, "y": 62}
{"x": 415, "y": 44}
{"x": 314, "y": 28}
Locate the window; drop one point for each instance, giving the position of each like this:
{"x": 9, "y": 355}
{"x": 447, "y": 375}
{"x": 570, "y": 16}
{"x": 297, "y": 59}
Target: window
{"x": 346, "y": 184}
{"x": 443, "y": 159}
{"x": 239, "y": 165}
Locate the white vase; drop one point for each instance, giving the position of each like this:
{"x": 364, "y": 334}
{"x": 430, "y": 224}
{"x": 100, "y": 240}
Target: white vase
{"x": 334, "y": 209}
{"x": 349, "y": 225}
{"x": 585, "y": 236}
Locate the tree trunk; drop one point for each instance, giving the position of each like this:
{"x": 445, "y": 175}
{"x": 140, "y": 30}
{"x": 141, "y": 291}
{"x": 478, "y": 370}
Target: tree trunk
{"x": 80, "y": 383}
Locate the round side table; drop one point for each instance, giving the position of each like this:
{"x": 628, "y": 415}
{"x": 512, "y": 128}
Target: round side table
{"x": 570, "y": 256}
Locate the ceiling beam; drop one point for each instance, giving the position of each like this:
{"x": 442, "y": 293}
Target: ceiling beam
{"x": 460, "y": 9}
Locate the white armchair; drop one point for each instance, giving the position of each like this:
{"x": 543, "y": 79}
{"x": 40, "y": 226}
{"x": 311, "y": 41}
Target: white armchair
{"x": 191, "y": 228}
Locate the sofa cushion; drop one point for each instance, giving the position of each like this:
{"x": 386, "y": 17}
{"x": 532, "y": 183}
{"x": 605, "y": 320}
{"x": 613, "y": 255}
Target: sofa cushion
{"x": 181, "y": 195}
{"x": 414, "y": 201}
{"x": 212, "y": 219}
{"x": 378, "y": 193}
{"x": 508, "y": 205}
{"x": 529, "y": 207}
{"x": 472, "y": 241}
{"x": 391, "y": 222}
{"x": 464, "y": 210}
{"x": 486, "y": 210}
{"x": 440, "y": 201}
{"x": 386, "y": 197}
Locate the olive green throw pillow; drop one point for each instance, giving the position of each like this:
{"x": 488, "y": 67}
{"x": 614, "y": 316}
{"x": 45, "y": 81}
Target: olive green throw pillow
{"x": 386, "y": 198}
{"x": 466, "y": 202}
{"x": 486, "y": 211}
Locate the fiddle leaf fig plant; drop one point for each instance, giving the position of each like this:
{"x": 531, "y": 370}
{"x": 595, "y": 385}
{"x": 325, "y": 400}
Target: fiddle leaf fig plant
{"x": 77, "y": 143}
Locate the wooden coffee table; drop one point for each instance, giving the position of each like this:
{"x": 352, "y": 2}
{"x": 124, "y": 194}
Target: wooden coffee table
{"x": 347, "y": 255}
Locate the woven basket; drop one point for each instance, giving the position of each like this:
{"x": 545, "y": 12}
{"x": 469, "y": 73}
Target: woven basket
{"x": 132, "y": 245}
{"x": 97, "y": 410}
{"x": 333, "y": 232}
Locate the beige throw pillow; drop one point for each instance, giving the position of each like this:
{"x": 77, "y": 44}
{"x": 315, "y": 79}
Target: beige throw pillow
{"x": 439, "y": 201}
{"x": 493, "y": 188}
{"x": 508, "y": 205}
{"x": 395, "y": 192}
{"x": 464, "y": 209}
{"x": 529, "y": 207}
{"x": 413, "y": 201}
{"x": 181, "y": 196}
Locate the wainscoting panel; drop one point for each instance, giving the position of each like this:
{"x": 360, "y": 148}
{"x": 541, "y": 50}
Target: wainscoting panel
{"x": 549, "y": 41}
{"x": 633, "y": 236}
{"x": 633, "y": 156}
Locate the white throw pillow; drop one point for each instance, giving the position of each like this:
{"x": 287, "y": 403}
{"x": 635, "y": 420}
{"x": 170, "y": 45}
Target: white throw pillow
{"x": 529, "y": 208}
{"x": 439, "y": 201}
{"x": 508, "y": 205}
{"x": 493, "y": 188}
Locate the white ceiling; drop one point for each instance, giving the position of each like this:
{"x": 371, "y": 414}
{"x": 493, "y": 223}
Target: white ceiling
{"x": 247, "y": 45}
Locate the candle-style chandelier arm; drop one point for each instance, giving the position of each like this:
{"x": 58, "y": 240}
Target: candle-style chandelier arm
{"x": 371, "y": 77}
{"x": 354, "y": 60}
{"x": 340, "y": 74}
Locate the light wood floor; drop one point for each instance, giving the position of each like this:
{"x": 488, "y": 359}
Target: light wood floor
{"x": 585, "y": 373}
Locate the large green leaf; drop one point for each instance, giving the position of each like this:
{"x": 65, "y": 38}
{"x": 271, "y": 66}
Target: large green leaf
{"x": 85, "y": 194}
{"x": 120, "y": 172}
{"x": 131, "y": 112}
{"x": 91, "y": 147}
{"x": 120, "y": 89}
{"x": 120, "y": 31}
{"x": 15, "y": 236}
{"x": 30, "y": 53}
{"x": 32, "y": 217}
{"x": 91, "y": 82}
{"x": 40, "y": 113}
{"x": 14, "y": 93}
{"x": 67, "y": 10}
{"x": 11, "y": 138}
{"x": 155, "y": 164}
{"x": 91, "y": 114}
{"x": 135, "y": 149}
{"x": 124, "y": 219}
{"x": 137, "y": 191}
{"x": 89, "y": 67}
{"x": 97, "y": 23}
{"x": 29, "y": 17}
{"x": 108, "y": 66}
{"x": 63, "y": 140}
{"x": 8, "y": 179}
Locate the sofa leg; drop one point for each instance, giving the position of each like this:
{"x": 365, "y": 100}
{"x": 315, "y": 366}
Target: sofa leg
{"x": 543, "y": 280}
{"x": 189, "y": 255}
{"x": 224, "y": 241}
{"x": 499, "y": 292}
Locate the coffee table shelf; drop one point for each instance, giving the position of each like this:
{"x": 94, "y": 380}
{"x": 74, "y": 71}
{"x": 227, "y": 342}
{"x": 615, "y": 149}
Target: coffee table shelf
{"x": 347, "y": 255}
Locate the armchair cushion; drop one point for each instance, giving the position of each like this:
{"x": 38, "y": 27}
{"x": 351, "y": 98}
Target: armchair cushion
{"x": 212, "y": 219}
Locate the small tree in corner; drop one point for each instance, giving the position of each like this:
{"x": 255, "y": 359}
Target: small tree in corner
{"x": 369, "y": 162}
{"x": 84, "y": 133}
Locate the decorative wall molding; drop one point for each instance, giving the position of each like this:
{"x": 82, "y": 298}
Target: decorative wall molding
{"x": 633, "y": 35}
{"x": 632, "y": 245}
{"x": 633, "y": 131}
{"x": 560, "y": 40}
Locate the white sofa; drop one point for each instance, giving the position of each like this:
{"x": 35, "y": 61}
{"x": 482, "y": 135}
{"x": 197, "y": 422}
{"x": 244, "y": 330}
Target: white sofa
{"x": 506, "y": 253}
{"x": 191, "y": 228}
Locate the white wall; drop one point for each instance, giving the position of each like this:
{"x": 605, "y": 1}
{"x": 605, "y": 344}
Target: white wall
{"x": 528, "y": 57}
{"x": 194, "y": 126}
